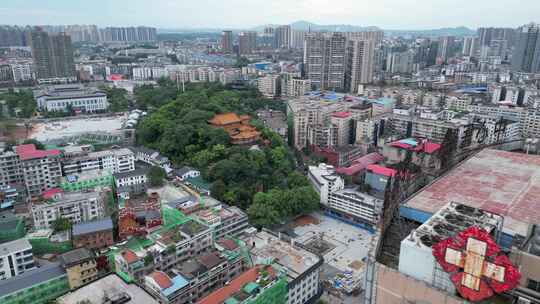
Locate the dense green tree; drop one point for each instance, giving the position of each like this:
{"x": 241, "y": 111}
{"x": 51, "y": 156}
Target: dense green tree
{"x": 61, "y": 224}
{"x": 19, "y": 104}
{"x": 156, "y": 175}
{"x": 262, "y": 215}
{"x": 117, "y": 99}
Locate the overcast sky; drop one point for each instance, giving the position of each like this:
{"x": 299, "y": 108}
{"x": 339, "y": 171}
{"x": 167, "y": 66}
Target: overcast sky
{"x": 387, "y": 14}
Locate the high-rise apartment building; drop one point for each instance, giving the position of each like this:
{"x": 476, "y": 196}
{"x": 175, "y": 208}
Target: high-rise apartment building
{"x": 526, "y": 55}
{"x": 360, "y": 63}
{"x": 470, "y": 45}
{"x": 269, "y": 85}
{"x": 487, "y": 34}
{"x": 247, "y": 42}
{"x": 282, "y": 35}
{"x": 128, "y": 34}
{"x": 333, "y": 61}
{"x": 325, "y": 60}
{"x": 226, "y": 41}
{"x": 52, "y": 54}
{"x": 297, "y": 39}
{"x": 446, "y": 48}
{"x": 12, "y": 36}
{"x": 293, "y": 86}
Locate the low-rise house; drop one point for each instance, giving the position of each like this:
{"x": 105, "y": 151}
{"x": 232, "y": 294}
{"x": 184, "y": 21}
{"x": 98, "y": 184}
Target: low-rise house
{"x": 131, "y": 183}
{"x": 186, "y": 172}
{"x": 80, "y": 265}
{"x": 93, "y": 235}
{"x": 152, "y": 157}
{"x": 38, "y": 286}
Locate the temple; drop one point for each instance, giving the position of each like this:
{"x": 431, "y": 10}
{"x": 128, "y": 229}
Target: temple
{"x": 238, "y": 127}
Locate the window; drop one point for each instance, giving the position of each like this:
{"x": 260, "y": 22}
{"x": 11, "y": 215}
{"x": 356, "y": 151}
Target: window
{"x": 534, "y": 285}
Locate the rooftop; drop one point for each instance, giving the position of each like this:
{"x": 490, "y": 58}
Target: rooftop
{"x": 31, "y": 278}
{"x": 76, "y": 256}
{"x": 29, "y": 151}
{"x": 500, "y": 182}
{"x": 113, "y": 286}
{"x": 14, "y": 246}
{"x": 225, "y": 119}
{"x": 222, "y": 294}
{"x": 136, "y": 172}
{"x": 377, "y": 169}
{"x": 269, "y": 248}
{"x": 361, "y": 164}
{"x": 416, "y": 145}
{"x": 341, "y": 114}
{"x": 93, "y": 226}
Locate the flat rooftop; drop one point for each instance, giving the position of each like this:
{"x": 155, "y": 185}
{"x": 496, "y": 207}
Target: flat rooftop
{"x": 269, "y": 247}
{"x": 113, "y": 286}
{"x": 500, "y": 182}
{"x": 344, "y": 246}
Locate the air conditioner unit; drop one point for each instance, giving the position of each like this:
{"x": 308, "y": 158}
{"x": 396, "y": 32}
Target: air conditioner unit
{"x": 523, "y": 301}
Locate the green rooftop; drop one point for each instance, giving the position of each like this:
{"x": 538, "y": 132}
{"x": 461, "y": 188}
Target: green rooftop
{"x": 231, "y": 301}
{"x": 250, "y": 287}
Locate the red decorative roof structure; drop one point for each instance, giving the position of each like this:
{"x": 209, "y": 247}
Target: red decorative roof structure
{"x": 476, "y": 264}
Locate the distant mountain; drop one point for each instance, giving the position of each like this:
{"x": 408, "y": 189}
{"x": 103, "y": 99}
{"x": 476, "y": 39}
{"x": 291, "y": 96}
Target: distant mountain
{"x": 306, "y": 25}
{"x": 447, "y": 31}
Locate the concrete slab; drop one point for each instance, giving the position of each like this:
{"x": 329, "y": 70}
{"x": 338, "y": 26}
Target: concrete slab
{"x": 501, "y": 182}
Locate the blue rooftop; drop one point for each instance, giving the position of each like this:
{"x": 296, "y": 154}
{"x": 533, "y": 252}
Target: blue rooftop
{"x": 178, "y": 282}
{"x": 409, "y": 141}
{"x": 93, "y": 226}
{"x": 327, "y": 95}
{"x": 382, "y": 101}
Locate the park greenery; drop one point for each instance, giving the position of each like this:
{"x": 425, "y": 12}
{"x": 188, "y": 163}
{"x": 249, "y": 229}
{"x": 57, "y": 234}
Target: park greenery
{"x": 261, "y": 181}
{"x": 17, "y": 104}
{"x": 117, "y": 99}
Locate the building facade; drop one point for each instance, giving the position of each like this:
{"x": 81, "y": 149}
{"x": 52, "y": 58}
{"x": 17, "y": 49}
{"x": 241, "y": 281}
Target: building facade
{"x": 74, "y": 97}
{"x": 76, "y": 206}
{"x": 16, "y": 258}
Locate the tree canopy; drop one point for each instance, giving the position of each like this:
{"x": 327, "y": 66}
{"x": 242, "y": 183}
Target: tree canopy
{"x": 240, "y": 176}
{"x": 156, "y": 175}
{"x": 19, "y": 104}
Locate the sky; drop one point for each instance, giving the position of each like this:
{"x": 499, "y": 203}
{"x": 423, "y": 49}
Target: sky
{"x": 243, "y": 14}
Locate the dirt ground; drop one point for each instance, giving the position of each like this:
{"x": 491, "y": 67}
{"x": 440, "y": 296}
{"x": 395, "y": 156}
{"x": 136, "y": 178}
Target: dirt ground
{"x": 305, "y": 220}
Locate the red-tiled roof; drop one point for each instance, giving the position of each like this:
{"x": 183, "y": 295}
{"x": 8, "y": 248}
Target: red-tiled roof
{"x": 210, "y": 260}
{"x": 430, "y": 147}
{"x": 29, "y": 151}
{"x": 341, "y": 114}
{"x": 225, "y": 119}
{"x": 360, "y": 164}
{"x": 381, "y": 170}
{"x": 129, "y": 256}
{"x": 51, "y": 192}
{"x": 161, "y": 279}
{"x": 227, "y": 244}
{"x": 222, "y": 294}
{"x": 427, "y": 147}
